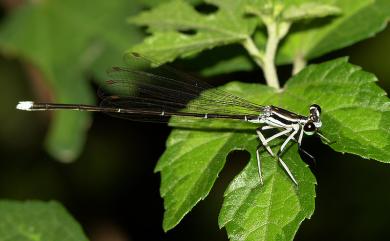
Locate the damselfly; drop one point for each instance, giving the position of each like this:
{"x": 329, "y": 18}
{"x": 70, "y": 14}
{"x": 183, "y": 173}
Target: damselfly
{"x": 162, "y": 93}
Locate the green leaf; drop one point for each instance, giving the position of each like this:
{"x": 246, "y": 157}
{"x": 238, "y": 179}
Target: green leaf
{"x": 187, "y": 176}
{"x": 38, "y": 221}
{"x": 65, "y": 39}
{"x": 273, "y": 211}
{"x": 194, "y": 158}
{"x": 169, "y": 22}
{"x": 221, "y": 60}
{"x": 237, "y": 63}
{"x": 359, "y": 20}
{"x": 291, "y": 10}
{"x": 356, "y": 111}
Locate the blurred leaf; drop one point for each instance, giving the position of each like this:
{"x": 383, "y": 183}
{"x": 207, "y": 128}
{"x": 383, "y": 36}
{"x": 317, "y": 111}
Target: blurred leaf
{"x": 221, "y": 60}
{"x": 226, "y": 66}
{"x": 359, "y": 20}
{"x": 35, "y": 220}
{"x": 65, "y": 39}
{"x": 356, "y": 114}
{"x": 179, "y": 30}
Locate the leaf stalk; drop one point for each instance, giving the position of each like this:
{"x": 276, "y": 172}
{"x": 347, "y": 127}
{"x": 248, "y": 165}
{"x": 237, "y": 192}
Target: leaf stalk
{"x": 299, "y": 63}
{"x": 276, "y": 31}
{"x": 254, "y": 52}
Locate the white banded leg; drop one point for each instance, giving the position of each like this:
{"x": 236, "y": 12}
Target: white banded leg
{"x": 280, "y": 152}
{"x": 268, "y": 127}
{"x": 264, "y": 143}
{"x": 262, "y": 139}
{"x": 299, "y": 140}
{"x": 296, "y": 129}
{"x": 284, "y": 165}
{"x": 259, "y": 165}
{"x": 279, "y": 134}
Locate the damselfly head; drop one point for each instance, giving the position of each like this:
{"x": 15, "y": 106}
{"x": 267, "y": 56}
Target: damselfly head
{"x": 315, "y": 115}
{"x": 313, "y": 123}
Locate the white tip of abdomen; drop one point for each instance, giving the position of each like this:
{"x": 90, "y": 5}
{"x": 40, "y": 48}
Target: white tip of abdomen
{"x": 24, "y": 105}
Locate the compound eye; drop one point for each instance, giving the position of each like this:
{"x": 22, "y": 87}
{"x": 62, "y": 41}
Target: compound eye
{"x": 309, "y": 128}
{"x": 317, "y": 107}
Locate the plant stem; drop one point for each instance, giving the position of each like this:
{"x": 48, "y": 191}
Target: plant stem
{"x": 254, "y": 52}
{"x": 276, "y": 31}
{"x": 269, "y": 68}
{"x": 298, "y": 64}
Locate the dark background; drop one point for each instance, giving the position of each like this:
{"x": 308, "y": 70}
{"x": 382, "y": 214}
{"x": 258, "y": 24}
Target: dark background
{"x": 112, "y": 190}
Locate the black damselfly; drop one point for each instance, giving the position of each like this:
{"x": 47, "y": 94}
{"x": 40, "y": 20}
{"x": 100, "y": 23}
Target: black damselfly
{"x": 164, "y": 92}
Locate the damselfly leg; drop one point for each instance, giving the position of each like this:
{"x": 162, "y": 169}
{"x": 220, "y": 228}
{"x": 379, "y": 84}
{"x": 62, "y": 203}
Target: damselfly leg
{"x": 265, "y": 141}
{"x": 259, "y": 165}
